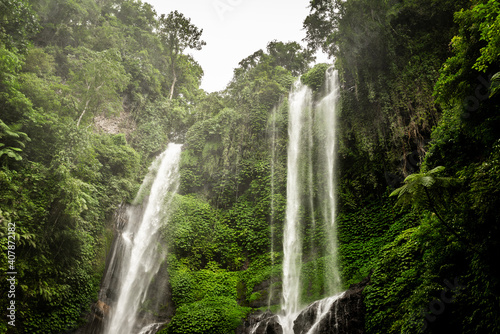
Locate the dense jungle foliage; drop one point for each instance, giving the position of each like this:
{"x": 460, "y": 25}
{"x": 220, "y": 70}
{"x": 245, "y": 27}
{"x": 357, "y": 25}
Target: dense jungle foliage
{"x": 91, "y": 92}
{"x": 421, "y": 93}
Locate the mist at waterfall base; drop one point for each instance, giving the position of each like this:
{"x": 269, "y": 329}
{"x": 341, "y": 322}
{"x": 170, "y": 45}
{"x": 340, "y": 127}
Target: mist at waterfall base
{"x": 137, "y": 255}
{"x": 311, "y": 128}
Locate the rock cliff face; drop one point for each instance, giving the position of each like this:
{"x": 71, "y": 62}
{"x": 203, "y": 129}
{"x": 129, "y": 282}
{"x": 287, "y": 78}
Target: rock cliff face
{"x": 95, "y": 319}
{"x": 99, "y": 311}
{"x": 344, "y": 314}
{"x": 261, "y": 323}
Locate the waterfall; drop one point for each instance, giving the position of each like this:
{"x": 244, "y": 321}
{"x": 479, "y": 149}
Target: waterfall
{"x": 300, "y": 102}
{"x": 139, "y": 251}
{"x": 327, "y": 110}
{"x": 311, "y": 156}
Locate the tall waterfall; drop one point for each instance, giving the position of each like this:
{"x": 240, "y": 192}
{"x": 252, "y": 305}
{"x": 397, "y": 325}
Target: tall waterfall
{"x": 327, "y": 110}
{"x": 311, "y": 156}
{"x": 300, "y": 103}
{"x": 138, "y": 248}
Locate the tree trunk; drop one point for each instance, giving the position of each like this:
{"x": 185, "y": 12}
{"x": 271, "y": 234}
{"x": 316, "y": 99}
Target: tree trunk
{"x": 173, "y": 85}
{"x": 83, "y": 113}
{"x": 449, "y": 227}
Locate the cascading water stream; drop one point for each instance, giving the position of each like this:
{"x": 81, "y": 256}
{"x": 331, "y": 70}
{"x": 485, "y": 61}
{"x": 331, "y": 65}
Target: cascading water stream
{"x": 300, "y": 102}
{"x": 322, "y": 309}
{"x": 310, "y": 181}
{"x": 141, "y": 254}
{"x": 305, "y": 131}
{"x": 327, "y": 110}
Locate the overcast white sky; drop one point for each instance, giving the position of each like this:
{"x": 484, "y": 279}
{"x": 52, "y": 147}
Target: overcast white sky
{"x": 234, "y": 29}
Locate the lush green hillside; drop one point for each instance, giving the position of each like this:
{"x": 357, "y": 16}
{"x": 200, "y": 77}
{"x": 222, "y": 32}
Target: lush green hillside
{"x": 85, "y": 105}
{"x": 421, "y": 91}
{"x": 91, "y": 91}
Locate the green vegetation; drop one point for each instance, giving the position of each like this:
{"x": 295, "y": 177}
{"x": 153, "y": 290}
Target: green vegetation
{"x": 84, "y": 109}
{"x": 411, "y": 104}
{"x": 315, "y": 78}
{"x": 91, "y": 92}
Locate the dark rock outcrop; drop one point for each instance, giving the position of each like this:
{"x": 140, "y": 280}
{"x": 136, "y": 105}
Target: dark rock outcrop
{"x": 344, "y": 314}
{"x": 260, "y": 323}
{"x": 159, "y": 295}
{"x": 95, "y": 319}
{"x": 269, "y": 326}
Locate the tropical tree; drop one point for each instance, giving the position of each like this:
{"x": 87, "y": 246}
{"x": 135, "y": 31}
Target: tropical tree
{"x": 177, "y": 34}
{"x": 18, "y": 24}
{"x": 426, "y": 190}
{"x": 97, "y": 78}
{"x": 291, "y": 56}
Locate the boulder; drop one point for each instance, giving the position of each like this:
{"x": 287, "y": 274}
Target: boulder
{"x": 340, "y": 314}
{"x": 260, "y": 323}
{"x": 344, "y": 314}
{"x": 95, "y": 319}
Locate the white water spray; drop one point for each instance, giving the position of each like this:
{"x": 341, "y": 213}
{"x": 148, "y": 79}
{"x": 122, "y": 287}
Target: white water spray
{"x": 300, "y": 102}
{"x": 300, "y": 179}
{"x": 142, "y": 254}
{"x": 327, "y": 110}
{"x": 322, "y": 308}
